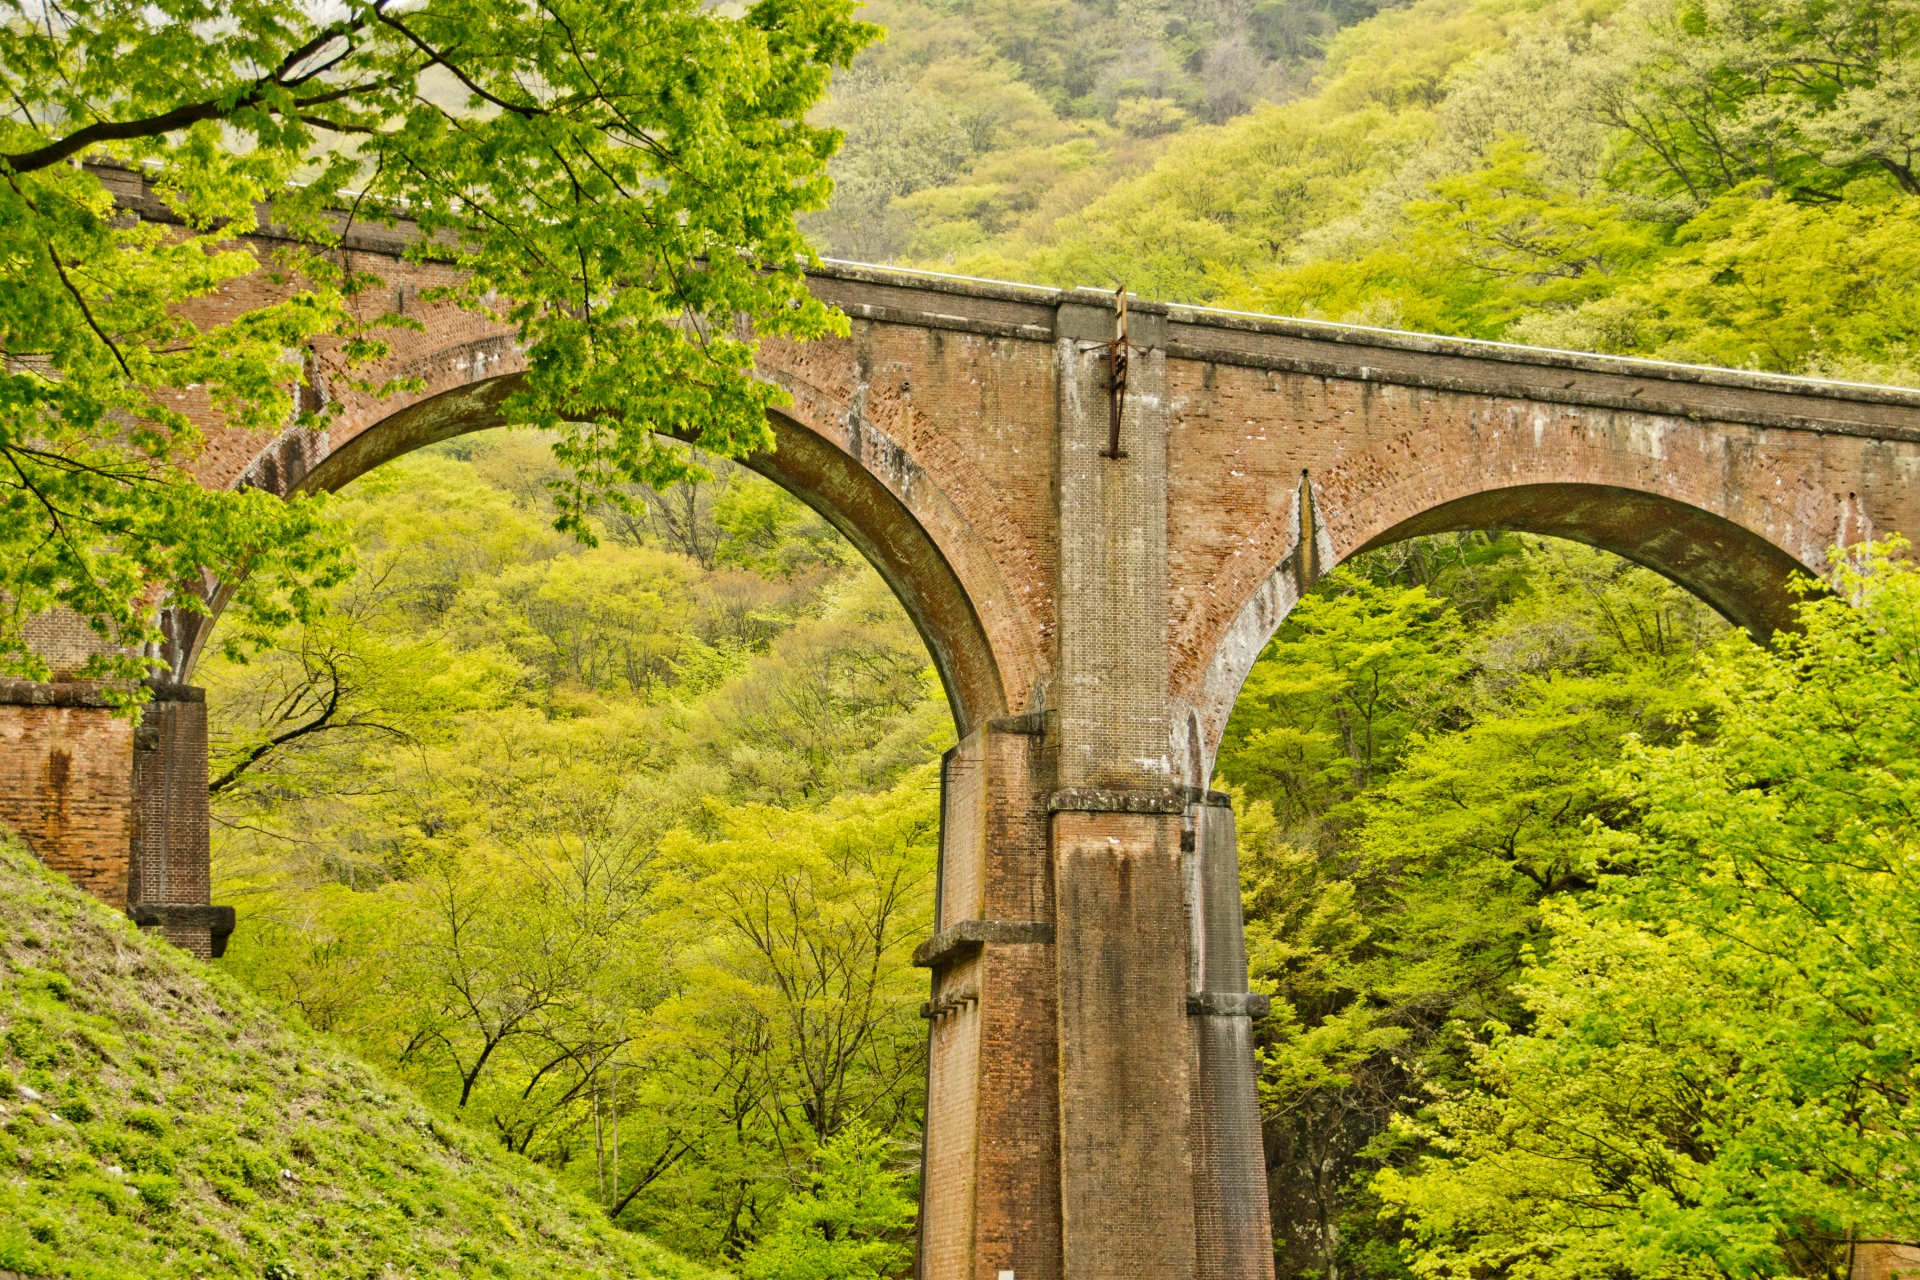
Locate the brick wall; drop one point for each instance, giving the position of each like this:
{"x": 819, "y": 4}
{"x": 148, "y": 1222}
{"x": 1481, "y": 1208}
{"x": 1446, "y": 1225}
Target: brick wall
{"x": 170, "y": 851}
{"x": 1018, "y": 1229}
{"x": 66, "y": 782}
{"x": 117, "y": 807}
{"x": 991, "y": 1199}
{"x": 1886, "y": 1262}
{"x": 65, "y": 641}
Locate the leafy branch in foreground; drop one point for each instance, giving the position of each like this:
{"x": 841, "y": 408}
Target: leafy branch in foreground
{"x": 617, "y": 181}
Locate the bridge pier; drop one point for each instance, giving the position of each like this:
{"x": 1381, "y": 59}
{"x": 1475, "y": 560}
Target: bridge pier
{"x": 118, "y": 806}
{"x": 1233, "y": 1224}
{"x": 1092, "y": 1110}
{"x": 991, "y": 1185}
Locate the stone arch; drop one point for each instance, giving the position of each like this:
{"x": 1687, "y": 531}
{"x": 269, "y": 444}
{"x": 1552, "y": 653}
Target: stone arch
{"x": 846, "y": 491}
{"x": 1739, "y": 573}
{"x": 1733, "y": 543}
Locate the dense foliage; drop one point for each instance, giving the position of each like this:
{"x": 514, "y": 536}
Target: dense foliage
{"x": 617, "y": 181}
{"x": 1721, "y": 181}
{"x": 979, "y": 121}
{"x": 1717, "y": 1068}
{"x": 1414, "y": 757}
{"x": 618, "y": 856}
{"x": 1589, "y": 922}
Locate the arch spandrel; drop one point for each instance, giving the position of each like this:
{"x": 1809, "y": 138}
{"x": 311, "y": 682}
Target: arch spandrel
{"x": 959, "y": 428}
{"x": 881, "y": 528}
{"x": 1731, "y": 512}
{"x": 879, "y": 496}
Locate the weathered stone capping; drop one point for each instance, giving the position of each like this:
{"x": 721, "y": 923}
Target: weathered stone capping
{"x": 971, "y": 935}
{"x": 1091, "y": 1112}
{"x": 1366, "y": 354}
{"x": 66, "y": 693}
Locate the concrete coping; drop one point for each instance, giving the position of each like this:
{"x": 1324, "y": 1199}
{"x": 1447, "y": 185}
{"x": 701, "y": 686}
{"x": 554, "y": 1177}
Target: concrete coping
{"x": 1033, "y": 724}
{"x": 1134, "y": 800}
{"x": 84, "y": 693}
{"x": 1228, "y": 1004}
{"x": 57, "y": 693}
{"x": 182, "y": 915}
{"x": 971, "y": 935}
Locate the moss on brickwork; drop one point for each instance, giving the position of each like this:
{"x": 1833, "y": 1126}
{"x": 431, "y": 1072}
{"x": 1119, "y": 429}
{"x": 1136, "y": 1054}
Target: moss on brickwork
{"x": 160, "y": 1122}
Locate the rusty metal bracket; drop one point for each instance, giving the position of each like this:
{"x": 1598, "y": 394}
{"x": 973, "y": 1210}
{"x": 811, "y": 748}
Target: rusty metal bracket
{"x": 1117, "y": 374}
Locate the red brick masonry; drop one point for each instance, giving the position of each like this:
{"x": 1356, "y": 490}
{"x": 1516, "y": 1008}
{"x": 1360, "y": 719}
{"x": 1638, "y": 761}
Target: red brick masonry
{"x": 119, "y": 805}
{"x": 1093, "y": 619}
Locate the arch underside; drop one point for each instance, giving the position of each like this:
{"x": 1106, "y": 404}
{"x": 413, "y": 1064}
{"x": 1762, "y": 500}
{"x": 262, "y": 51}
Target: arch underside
{"x": 1738, "y": 572}
{"x": 812, "y": 469}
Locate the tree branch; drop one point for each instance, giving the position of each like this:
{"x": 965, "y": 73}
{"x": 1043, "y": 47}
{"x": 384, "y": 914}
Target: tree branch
{"x": 182, "y": 117}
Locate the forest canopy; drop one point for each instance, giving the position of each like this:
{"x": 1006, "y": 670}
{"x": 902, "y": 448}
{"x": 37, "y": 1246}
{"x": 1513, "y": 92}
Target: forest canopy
{"x": 620, "y": 852}
{"x": 1714, "y": 1071}
{"x": 1717, "y": 181}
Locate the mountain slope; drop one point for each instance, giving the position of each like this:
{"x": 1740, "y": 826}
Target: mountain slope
{"x": 157, "y": 1121}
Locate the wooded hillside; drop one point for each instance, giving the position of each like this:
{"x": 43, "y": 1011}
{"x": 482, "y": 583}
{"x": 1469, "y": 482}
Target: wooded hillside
{"x": 157, "y": 1121}
{"x": 1719, "y": 181}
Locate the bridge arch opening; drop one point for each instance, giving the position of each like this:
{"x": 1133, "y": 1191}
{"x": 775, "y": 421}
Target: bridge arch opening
{"x": 803, "y": 463}
{"x": 1472, "y": 802}
{"x": 1742, "y": 575}
{"x": 1739, "y": 574}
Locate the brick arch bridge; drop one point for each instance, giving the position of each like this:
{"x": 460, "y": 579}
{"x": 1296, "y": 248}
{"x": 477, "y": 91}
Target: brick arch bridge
{"x": 1091, "y": 1109}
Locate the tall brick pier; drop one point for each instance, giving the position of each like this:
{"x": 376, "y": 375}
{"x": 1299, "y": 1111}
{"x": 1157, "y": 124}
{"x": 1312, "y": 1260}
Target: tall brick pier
{"x": 1094, "y": 568}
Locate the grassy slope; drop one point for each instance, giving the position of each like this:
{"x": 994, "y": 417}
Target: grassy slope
{"x": 243, "y": 1147}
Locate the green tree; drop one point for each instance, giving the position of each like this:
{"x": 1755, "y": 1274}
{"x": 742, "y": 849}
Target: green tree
{"x": 1384, "y": 917}
{"x": 793, "y": 1017}
{"x": 1720, "y": 1075}
{"x": 1805, "y": 96}
{"x": 1480, "y": 249}
{"x": 618, "y": 182}
{"x": 1356, "y": 667}
{"x": 1766, "y": 282}
{"x": 852, "y": 1224}
{"x": 762, "y": 527}
{"x": 459, "y": 869}
{"x": 808, "y": 922}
